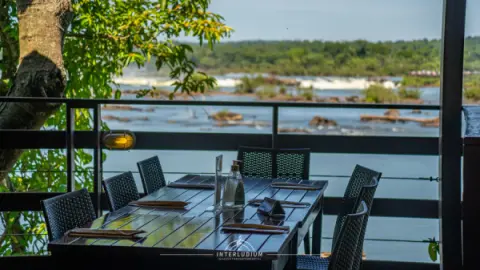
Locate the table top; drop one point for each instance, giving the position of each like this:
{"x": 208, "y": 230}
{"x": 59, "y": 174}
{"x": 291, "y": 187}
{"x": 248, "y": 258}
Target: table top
{"x": 193, "y": 229}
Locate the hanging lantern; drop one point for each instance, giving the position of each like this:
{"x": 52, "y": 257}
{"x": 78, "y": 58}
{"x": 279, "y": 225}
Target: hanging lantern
{"x": 119, "y": 140}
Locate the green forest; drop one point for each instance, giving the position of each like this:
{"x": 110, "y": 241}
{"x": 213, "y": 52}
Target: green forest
{"x": 322, "y": 58}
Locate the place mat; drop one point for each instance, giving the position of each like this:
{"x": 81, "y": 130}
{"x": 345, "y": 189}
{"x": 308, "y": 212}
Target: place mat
{"x": 193, "y": 186}
{"x": 285, "y": 204}
{"x": 285, "y": 185}
{"x": 161, "y": 204}
{"x": 292, "y": 184}
{"x": 97, "y": 233}
{"x": 251, "y": 230}
{"x": 257, "y": 226}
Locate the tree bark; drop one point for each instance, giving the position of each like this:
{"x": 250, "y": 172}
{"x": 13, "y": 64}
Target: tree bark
{"x": 41, "y": 73}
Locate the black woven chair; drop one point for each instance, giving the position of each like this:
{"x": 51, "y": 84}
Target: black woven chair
{"x": 120, "y": 190}
{"x": 367, "y": 195}
{"x": 67, "y": 211}
{"x": 274, "y": 163}
{"x": 361, "y": 176}
{"x": 152, "y": 174}
{"x": 343, "y": 255}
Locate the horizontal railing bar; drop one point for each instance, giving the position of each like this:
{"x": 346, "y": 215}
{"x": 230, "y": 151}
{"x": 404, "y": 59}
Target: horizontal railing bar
{"x": 28, "y": 234}
{"x": 430, "y": 178}
{"x": 30, "y": 201}
{"x": 397, "y": 241}
{"x": 392, "y": 265}
{"x": 325, "y": 238}
{"x": 87, "y": 103}
{"x": 22, "y": 139}
{"x": 387, "y": 240}
{"x": 385, "y": 207}
{"x": 48, "y": 263}
{"x": 26, "y": 201}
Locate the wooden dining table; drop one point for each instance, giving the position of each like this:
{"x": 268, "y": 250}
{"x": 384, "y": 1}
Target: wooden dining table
{"x": 192, "y": 238}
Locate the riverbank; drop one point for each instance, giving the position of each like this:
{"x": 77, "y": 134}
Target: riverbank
{"x": 269, "y": 95}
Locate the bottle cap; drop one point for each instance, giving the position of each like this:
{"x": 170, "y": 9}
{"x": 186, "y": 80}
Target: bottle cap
{"x": 236, "y": 165}
{"x": 237, "y": 162}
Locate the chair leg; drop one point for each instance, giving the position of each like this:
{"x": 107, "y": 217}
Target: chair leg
{"x": 306, "y": 243}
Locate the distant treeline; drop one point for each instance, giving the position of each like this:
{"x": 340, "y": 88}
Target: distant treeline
{"x": 349, "y": 58}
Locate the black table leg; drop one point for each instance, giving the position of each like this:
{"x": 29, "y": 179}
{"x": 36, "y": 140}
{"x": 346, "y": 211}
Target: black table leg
{"x": 317, "y": 231}
{"x": 292, "y": 259}
{"x": 306, "y": 242}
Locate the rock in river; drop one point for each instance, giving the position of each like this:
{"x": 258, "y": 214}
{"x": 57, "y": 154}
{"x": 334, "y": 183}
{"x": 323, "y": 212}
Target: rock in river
{"x": 353, "y": 99}
{"x": 321, "y": 121}
{"x": 226, "y": 116}
{"x": 124, "y": 119}
{"x": 121, "y": 108}
{"x": 392, "y": 112}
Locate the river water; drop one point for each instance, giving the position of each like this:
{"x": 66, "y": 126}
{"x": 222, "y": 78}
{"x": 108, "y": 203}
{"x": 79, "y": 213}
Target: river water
{"x": 398, "y": 239}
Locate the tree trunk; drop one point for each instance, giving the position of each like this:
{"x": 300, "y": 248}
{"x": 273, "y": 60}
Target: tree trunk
{"x": 42, "y": 27}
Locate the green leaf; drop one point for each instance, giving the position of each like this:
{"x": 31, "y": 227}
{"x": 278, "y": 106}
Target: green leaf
{"x": 433, "y": 251}
{"x": 118, "y": 94}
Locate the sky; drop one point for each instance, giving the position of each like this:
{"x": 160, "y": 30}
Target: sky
{"x": 339, "y": 19}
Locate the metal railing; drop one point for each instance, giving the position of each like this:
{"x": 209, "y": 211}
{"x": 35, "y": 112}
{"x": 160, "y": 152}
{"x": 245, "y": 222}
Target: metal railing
{"x": 70, "y": 139}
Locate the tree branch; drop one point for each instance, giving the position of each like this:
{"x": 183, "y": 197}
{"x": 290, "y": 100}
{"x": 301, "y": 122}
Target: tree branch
{"x": 96, "y": 36}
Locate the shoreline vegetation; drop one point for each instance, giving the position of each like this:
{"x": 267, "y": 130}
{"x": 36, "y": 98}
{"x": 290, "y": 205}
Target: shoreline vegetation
{"x": 329, "y": 58}
{"x": 326, "y": 58}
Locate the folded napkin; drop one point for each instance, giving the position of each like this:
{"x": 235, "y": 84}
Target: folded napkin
{"x": 160, "y": 204}
{"x": 97, "y": 233}
{"x": 251, "y": 230}
{"x": 257, "y": 226}
{"x": 286, "y": 204}
{"x": 286, "y": 185}
{"x": 193, "y": 186}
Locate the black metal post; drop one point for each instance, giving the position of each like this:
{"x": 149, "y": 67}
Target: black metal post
{"x": 317, "y": 231}
{"x": 97, "y": 159}
{"x": 274, "y": 126}
{"x": 70, "y": 149}
{"x": 471, "y": 201}
{"x": 292, "y": 259}
{"x": 450, "y": 133}
{"x": 471, "y": 187}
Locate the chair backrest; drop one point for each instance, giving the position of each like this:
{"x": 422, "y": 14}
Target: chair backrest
{"x": 152, "y": 174}
{"x": 367, "y": 195}
{"x": 274, "y": 163}
{"x": 361, "y": 176}
{"x": 120, "y": 190}
{"x": 344, "y": 252}
{"x": 67, "y": 211}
